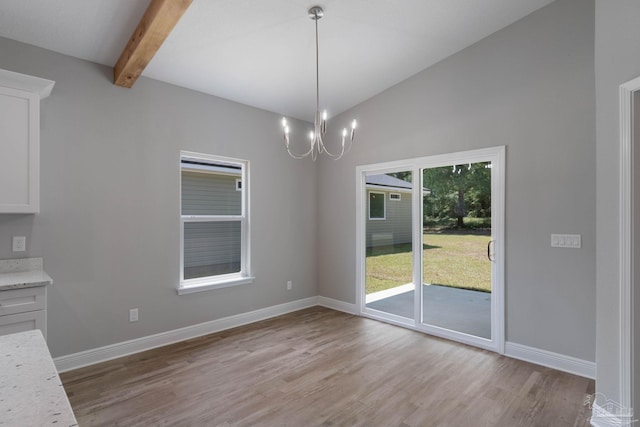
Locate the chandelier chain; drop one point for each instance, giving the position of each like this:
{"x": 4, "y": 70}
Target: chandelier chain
{"x": 317, "y": 66}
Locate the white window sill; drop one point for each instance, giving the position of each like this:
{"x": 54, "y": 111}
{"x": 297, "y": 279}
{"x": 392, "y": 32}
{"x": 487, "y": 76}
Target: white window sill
{"x": 210, "y": 284}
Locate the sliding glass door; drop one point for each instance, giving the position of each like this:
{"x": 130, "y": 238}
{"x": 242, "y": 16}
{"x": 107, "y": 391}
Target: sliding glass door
{"x": 456, "y": 236}
{"x": 430, "y": 239}
{"x": 389, "y": 286}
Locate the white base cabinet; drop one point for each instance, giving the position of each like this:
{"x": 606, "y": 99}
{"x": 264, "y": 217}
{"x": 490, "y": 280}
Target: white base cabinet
{"x": 23, "y": 310}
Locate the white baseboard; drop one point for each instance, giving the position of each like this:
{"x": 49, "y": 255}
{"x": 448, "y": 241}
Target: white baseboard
{"x": 550, "y": 359}
{"x": 337, "y": 305}
{"x": 113, "y": 351}
{"x": 600, "y": 417}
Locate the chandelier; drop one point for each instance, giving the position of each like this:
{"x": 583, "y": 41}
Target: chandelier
{"x": 316, "y": 137}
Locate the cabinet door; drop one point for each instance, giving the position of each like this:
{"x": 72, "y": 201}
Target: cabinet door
{"x": 19, "y": 151}
{"x": 22, "y": 322}
{"x": 22, "y": 300}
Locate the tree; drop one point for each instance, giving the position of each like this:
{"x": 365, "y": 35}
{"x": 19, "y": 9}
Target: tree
{"x": 453, "y": 188}
{"x": 405, "y": 175}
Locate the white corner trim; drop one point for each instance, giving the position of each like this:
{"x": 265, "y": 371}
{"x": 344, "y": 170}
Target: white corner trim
{"x": 338, "y": 305}
{"x": 125, "y": 348}
{"x": 625, "y": 241}
{"x": 561, "y": 362}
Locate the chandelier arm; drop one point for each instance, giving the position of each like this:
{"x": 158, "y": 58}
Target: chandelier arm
{"x": 333, "y": 156}
{"x": 349, "y": 146}
{"x": 299, "y": 156}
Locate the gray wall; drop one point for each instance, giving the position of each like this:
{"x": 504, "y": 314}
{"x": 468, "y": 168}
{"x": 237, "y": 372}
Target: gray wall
{"x": 109, "y": 223}
{"x": 617, "y": 60}
{"x": 530, "y": 87}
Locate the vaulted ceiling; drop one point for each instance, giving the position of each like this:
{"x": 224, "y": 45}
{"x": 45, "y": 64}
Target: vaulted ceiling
{"x": 261, "y": 52}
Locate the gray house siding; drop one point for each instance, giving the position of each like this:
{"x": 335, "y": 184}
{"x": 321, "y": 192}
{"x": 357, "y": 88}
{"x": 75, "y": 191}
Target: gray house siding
{"x": 210, "y": 194}
{"x": 214, "y": 245}
{"x": 396, "y": 227}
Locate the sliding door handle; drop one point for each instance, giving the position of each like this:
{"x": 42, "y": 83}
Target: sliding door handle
{"x": 489, "y": 250}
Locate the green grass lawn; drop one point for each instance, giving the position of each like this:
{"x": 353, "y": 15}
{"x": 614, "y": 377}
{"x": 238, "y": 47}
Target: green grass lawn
{"x": 450, "y": 259}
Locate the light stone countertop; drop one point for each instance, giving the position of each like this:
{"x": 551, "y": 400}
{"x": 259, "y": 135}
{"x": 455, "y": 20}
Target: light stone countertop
{"x": 22, "y": 273}
{"x": 31, "y": 393}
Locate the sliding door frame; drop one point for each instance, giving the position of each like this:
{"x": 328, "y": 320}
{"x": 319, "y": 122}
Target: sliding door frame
{"x": 495, "y": 155}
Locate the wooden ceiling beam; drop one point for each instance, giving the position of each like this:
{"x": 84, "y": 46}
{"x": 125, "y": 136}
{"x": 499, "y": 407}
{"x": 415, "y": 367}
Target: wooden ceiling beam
{"x": 154, "y": 27}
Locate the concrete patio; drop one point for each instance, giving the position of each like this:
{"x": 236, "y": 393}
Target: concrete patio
{"x": 460, "y": 310}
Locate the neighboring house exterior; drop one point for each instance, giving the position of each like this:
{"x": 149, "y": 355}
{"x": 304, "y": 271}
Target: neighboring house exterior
{"x": 211, "y": 247}
{"x": 388, "y": 210}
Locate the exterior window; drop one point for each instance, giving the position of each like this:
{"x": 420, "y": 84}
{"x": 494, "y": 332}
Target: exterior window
{"x": 214, "y": 222}
{"x": 376, "y": 206}
{"x": 394, "y": 196}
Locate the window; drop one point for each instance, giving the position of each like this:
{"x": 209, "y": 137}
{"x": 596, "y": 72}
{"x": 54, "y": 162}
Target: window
{"x": 394, "y": 196}
{"x": 376, "y": 205}
{"x": 214, "y": 222}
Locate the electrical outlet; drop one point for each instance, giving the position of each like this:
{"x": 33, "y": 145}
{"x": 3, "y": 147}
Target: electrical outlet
{"x": 19, "y": 243}
{"x": 133, "y": 315}
{"x": 289, "y": 285}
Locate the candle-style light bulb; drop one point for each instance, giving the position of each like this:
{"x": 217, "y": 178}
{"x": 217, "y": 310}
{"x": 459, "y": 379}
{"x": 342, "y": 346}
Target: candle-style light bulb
{"x": 353, "y": 124}
{"x": 323, "y": 123}
{"x": 286, "y": 134}
{"x": 311, "y": 135}
{"x": 284, "y": 122}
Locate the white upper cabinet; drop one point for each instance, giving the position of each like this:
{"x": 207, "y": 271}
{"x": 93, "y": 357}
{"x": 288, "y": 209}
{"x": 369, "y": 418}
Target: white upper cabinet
{"x": 20, "y": 97}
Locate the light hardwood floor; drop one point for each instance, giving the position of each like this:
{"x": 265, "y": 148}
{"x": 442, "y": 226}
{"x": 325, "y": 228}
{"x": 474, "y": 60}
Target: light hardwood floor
{"x": 319, "y": 367}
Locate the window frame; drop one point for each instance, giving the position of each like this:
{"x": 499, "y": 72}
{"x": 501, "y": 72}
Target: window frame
{"x": 199, "y": 284}
{"x": 384, "y": 206}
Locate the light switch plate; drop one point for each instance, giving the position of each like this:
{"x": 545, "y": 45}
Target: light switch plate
{"x": 19, "y": 244}
{"x": 566, "y": 241}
